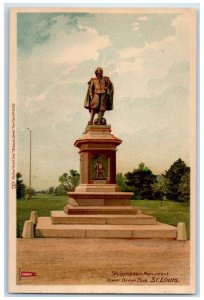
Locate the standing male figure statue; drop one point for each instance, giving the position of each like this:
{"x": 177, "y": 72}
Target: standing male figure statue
{"x": 99, "y": 169}
{"x": 99, "y": 97}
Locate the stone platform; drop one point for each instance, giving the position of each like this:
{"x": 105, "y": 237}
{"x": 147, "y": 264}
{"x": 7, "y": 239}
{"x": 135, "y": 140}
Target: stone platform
{"x": 103, "y": 222}
{"x": 45, "y": 228}
{"x": 59, "y": 217}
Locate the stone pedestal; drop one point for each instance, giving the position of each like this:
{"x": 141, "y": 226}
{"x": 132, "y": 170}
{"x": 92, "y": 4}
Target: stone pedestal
{"x": 97, "y": 150}
{"x": 97, "y": 144}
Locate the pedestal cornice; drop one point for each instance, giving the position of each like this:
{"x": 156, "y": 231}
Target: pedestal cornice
{"x": 100, "y": 134}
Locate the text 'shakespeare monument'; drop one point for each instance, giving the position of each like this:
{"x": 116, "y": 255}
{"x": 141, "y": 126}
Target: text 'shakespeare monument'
{"x": 97, "y": 207}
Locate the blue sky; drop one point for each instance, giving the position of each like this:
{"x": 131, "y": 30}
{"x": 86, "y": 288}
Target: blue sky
{"x": 148, "y": 56}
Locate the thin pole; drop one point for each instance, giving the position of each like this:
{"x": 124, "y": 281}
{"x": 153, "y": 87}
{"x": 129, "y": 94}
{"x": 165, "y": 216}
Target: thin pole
{"x": 29, "y": 193}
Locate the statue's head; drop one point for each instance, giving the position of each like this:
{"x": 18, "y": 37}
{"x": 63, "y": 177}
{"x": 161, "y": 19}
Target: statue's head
{"x": 99, "y": 72}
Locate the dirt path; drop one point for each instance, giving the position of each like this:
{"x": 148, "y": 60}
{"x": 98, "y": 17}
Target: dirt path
{"x": 103, "y": 261}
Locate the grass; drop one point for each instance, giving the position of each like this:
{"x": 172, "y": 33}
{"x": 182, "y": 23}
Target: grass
{"x": 169, "y": 212}
{"x": 42, "y": 204}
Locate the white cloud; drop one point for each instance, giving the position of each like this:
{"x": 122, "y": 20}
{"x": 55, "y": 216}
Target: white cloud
{"x": 41, "y": 96}
{"x": 175, "y": 46}
{"x": 72, "y": 48}
{"x": 144, "y": 18}
{"x": 135, "y": 26}
{"x": 128, "y": 66}
{"x": 155, "y": 60}
{"x": 83, "y": 46}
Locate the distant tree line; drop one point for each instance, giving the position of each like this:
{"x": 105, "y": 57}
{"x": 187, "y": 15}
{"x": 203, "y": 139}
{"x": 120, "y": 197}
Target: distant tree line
{"x": 68, "y": 182}
{"x": 174, "y": 184}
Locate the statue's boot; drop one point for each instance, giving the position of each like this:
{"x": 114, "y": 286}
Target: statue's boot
{"x": 100, "y": 116}
{"x": 92, "y": 114}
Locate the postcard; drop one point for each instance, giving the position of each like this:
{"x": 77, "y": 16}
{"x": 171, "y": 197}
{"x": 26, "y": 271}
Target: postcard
{"x": 102, "y": 150}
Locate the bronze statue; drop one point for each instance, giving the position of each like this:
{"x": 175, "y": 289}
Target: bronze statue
{"x": 99, "y": 97}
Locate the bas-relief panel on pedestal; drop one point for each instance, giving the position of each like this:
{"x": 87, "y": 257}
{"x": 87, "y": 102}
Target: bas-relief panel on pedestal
{"x": 100, "y": 168}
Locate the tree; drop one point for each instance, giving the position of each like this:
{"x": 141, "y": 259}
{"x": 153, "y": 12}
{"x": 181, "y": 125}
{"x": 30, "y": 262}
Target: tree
{"x": 160, "y": 187}
{"x": 142, "y": 167}
{"x": 68, "y": 182}
{"x": 184, "y": 188}
{"x": 51, "y": 190}
{"x": 140, "y": 182}
{"x": 174, "y": 176}
{"x": 120, "y": 179}
{"x": 60, "y": 190}
{"x": 74, "y": 179}
{"x": 20, "y": 186}
{"x": 30, "y": 191}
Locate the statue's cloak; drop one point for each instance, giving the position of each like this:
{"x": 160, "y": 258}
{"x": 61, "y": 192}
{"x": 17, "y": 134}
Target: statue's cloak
{"x": 109, "y": 95}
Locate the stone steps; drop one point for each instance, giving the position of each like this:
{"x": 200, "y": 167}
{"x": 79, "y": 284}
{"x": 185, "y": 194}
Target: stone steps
{"x": 45, "y": 228}
{"x": 59, "y": 217}
{"x": 96, "y": 210}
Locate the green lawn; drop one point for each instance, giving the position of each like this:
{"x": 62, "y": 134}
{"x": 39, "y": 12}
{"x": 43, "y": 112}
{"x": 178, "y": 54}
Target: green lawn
{"x": 169, "y": 212}
{"x": 42, "y": 204}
